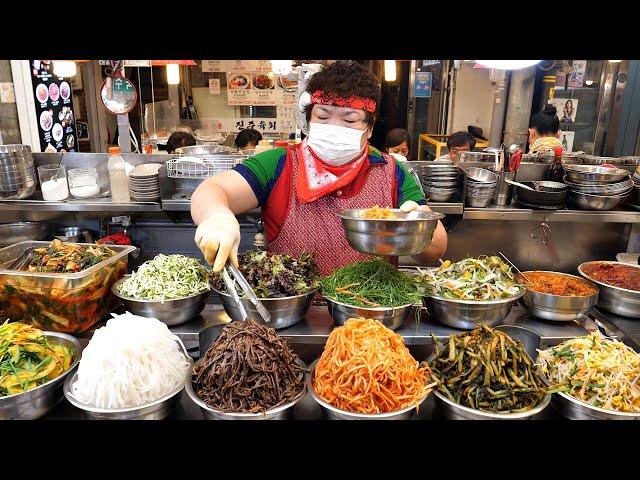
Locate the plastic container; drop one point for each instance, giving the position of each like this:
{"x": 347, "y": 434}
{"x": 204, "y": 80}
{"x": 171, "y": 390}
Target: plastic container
{"x": 118, "y": 178}
{"x": 53, "y": 182}
{"x": 83, "y": 182}
{"x": 61, "y": 302}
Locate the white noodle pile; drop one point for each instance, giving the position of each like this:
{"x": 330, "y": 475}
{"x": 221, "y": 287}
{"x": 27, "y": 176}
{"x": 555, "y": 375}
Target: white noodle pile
{"x": 129, "y": 362}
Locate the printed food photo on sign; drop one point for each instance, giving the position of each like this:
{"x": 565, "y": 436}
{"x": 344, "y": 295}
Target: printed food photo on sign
{"x": 263, "y": 82}
{"x": 239, "y": 81}
{"x": 66, "y": 116}
{"x": 288, "y": 83}
{"x": 57, "y": 132}
{"x": 42, "y": 93}
{"x": 46, "y": 120}
{"x": 71, "y": 141}
{"x": 54, "y": 92}
{"x": 65, "y": 90}
{"x": 50, "y": 149}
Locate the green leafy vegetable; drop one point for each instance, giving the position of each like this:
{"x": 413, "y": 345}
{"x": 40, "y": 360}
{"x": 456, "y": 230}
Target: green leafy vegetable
{"x": 275, "y": 275}
{"x": 373, "y": 283}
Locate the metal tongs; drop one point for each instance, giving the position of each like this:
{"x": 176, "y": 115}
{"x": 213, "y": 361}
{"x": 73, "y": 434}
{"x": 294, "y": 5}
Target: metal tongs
{"x": 231, "y": 275}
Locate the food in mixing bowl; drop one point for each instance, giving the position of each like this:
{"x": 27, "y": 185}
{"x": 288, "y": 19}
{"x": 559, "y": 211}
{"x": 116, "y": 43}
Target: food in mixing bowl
{"x": 28, "y": 358}
{"x": 614, "y": 274}
{"x": 367, "y": 368}
{"x": 375, "y": 213}
{"x": 487, "y": 370}
{"x": 248, "y": 369}
{"x": 602, "y": 372}
{"x": 482, "y": 278}
{"x": 275, "y": 275}
{"x": 129, "y": 362}
{"x": 61, "y": 257}
{"x": 166, "y": 277}
{"x": 557, "y": 284}
{"x": 371, "y": 283}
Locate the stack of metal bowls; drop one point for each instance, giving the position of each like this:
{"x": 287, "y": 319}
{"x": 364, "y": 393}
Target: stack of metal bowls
{"x": 439, "y": 181}
{"x": 597, "y": 188}
{"x": 334, "y": 413}
{"x": 17, "y": 172}
{"x": 481, "y": 186}
{"x": 635, "y": 194}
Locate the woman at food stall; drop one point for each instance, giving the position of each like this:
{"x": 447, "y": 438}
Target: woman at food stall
{"x": 301, "y": 188}
{"x": 544, "y": 130}
{"x": 247, "y": 139}
{"x": 397, "y": 143}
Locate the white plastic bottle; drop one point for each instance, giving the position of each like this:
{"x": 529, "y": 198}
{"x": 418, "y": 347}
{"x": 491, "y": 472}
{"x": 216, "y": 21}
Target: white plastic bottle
{"x": 118, "y": 178}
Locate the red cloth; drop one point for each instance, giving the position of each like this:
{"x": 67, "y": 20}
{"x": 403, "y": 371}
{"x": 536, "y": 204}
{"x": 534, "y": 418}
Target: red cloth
{"x": 315, "y": 227}
{"x": 321, "y": 97}
{"x": 317, "y": 179}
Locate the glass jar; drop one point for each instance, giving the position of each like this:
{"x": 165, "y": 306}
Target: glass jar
{"x": 53, "y": 182}
{"x": 83, "y": 182}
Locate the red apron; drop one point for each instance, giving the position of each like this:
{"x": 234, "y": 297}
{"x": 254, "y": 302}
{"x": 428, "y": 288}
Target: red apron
{"x": 316, "y": 228}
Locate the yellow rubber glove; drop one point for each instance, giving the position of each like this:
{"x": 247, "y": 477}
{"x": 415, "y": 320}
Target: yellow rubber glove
{"x": 218, "y": 238}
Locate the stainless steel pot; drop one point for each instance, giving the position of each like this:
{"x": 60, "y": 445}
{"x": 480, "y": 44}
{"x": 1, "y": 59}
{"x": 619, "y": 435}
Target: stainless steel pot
{"x": 11, "y": 233}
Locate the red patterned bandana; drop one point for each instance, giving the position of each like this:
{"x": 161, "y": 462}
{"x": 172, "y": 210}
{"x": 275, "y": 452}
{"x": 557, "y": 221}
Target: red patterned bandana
{"x": 359, "y": 103}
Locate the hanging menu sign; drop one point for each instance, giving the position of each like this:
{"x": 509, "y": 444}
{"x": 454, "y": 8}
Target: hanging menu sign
{"x": 261, "y": 88}
{"x": 54, "y": 108}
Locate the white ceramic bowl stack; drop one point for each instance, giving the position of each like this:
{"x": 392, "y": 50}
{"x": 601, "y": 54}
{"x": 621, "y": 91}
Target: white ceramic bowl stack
{"x": 144, "y": 182}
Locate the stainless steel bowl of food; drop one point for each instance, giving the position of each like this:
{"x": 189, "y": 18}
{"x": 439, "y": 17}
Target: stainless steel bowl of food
{"x": 39, "y": 401}
{"x": 278, "y": 413}
{"x": 334, "y": 413}
{"x": 172, "y": 312}
{"x": 406, "y": 234}
{"x": 390, "y": 317}
{"x": 620, "y": 301}
{"x": 585, "y": 201}
{"x": 157, "y": 410}
{"x": 558, "y": 308}
{"x": 454, "y": 411}
{"x": 467, "y": 314}
{"x": 11, "y": 233}
{"x": 284, "y": 311}
{"x": 595, "y": 174}
{"x": 574, "y": 409}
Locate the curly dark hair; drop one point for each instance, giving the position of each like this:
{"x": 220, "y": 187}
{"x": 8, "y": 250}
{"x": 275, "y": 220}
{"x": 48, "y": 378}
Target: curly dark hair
{"x": 346, "y": 78}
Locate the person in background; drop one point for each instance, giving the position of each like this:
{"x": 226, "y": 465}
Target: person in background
{"x": 544, "y": 130}
{"x": 247, "y": 139}
{"x": 179, "y": 139}
{"x": 458, "y": 142}
{"x": 301, "y": 188}
{"x": 397, "y": 143}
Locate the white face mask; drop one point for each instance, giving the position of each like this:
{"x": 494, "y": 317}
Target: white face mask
{"x": 335, "y": 145}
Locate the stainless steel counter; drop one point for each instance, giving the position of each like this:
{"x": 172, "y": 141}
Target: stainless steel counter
{"x": 495, "y": 212}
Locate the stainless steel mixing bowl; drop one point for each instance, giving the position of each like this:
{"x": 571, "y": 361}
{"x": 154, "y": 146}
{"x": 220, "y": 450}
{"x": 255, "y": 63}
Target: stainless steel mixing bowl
{"x": 390, "y": 317}
{"x": 467, "y": 314}
{"x": 408, "y": 234}
{"x": 620, "y": 301}
{"x": 595, "y": 202}
{"x": 39, "y": 401}
{"x": 284, "y": 311}
{"x": 171, "y": 312}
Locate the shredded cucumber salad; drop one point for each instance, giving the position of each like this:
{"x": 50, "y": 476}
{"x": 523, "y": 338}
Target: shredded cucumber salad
{"x": 166, "y": 277}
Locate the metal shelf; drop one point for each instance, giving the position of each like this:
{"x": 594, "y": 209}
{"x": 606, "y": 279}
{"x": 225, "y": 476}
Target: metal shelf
{"x": 94, "y": 205}
{"x": 495, "y": 212}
